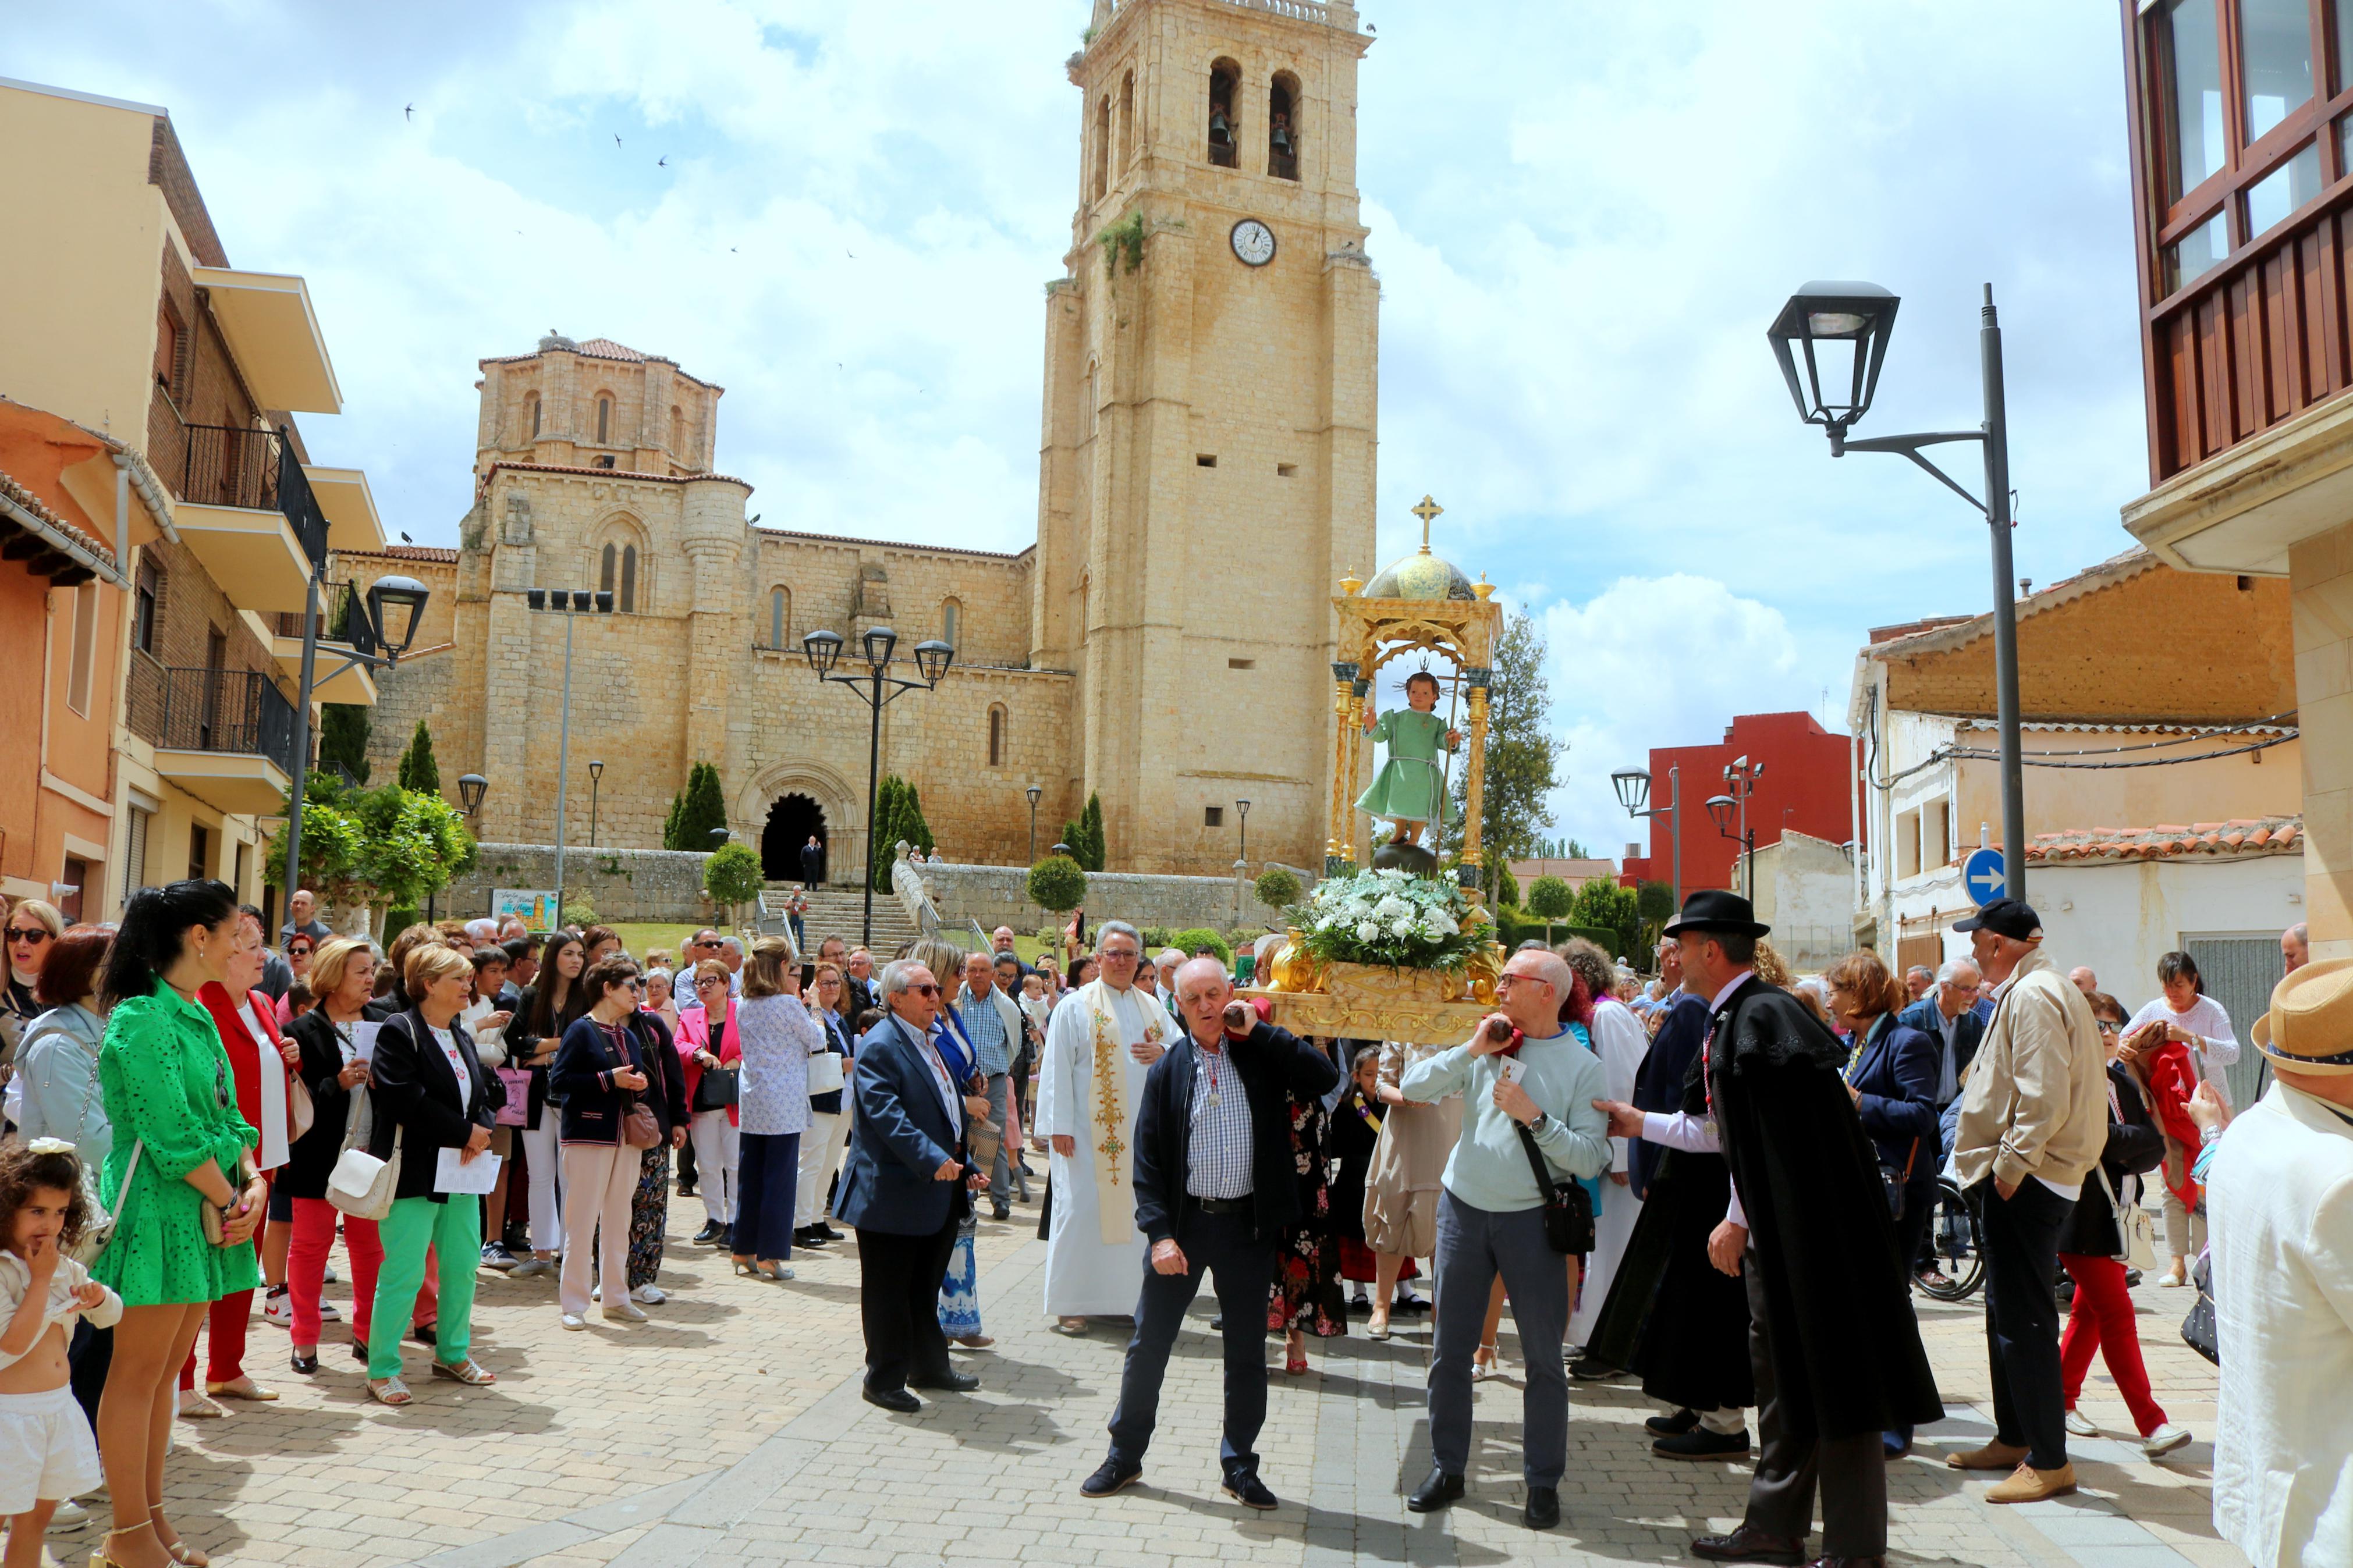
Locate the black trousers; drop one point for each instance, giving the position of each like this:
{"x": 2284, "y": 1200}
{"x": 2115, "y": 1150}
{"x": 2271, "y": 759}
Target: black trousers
{"x": 1223, "y": 1244}
{"x": 899, "y": 1305}
{"x": 89, "y": 1354}
{"x": 1850, "y": 1472}
{"x": 2022, "y": 1259}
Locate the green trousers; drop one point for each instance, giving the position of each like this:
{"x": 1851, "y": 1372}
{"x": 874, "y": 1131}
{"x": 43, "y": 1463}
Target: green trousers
{"x": 454, "y": 1230}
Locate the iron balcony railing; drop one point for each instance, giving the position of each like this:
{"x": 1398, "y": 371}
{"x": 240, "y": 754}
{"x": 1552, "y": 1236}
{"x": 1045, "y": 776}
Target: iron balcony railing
{"x": 242, "y": 465}
{"x": 342, "y": 619}
{"x": 230, "y": 711}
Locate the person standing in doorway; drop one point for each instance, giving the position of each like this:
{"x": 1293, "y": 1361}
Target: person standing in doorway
{"x": 812, "y": 863}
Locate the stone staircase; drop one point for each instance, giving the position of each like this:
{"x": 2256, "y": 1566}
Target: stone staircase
{"x": 837, "y": 911}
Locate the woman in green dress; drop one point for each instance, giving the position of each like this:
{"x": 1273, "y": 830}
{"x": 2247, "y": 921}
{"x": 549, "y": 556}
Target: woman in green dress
{"x": 179, "y": 1145}
{"x": 1410, "y": 788}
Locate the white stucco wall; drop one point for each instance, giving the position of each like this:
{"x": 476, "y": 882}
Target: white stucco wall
{"x": 2120, "y": 917}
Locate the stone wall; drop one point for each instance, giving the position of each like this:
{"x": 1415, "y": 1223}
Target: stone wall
{"x": 998, "y": 895}
{"x": 624, "y": 884}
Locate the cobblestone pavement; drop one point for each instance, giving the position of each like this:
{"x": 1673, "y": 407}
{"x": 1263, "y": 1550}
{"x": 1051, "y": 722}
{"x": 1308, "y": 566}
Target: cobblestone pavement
{"x": 729, "y": 1430}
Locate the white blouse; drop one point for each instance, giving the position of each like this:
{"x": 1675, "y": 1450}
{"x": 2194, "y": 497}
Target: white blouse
{"x": 273, "y": 1088}
{"x": 2217, "y": 1044}
{"x": 449, "y": 1044}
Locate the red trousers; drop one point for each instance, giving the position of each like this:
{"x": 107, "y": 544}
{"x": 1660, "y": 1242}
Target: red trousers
{"x": 2102, "y": 1320}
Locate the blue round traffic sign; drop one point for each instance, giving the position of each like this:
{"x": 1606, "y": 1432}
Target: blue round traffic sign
{"x": 1982, "y": 875}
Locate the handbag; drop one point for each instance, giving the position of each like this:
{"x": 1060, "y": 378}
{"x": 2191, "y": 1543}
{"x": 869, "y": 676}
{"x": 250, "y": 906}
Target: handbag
{"x": 717, "y": 1088}
{"x": 362, "y": 1185}
{"x": 1569, "y": 1208}
{"x": 825, "y": 1073}
{"x": 2135, "y": 1231}
{"x": 300, "y": 1110}
{"x": 216, "y": 1216}
{"x": 516, "y": 1110}
{"x": 2198, "y": 1329}
{"x": 639, "y": 1130}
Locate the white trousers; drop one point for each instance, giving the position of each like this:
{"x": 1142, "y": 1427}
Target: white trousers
{"x": 820, "y": 1158}
{"x": 718, "y": 1152}
{"x": 602, "y": 1178}
{"x": 546, "y": 1151}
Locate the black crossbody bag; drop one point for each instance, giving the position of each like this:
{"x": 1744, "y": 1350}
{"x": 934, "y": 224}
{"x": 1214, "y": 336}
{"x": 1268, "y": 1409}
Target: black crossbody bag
{"x": 1569, "y": 1208}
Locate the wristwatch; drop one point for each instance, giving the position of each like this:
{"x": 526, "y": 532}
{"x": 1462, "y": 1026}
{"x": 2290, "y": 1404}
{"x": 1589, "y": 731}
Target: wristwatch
{"x": 1536, "y": 1123}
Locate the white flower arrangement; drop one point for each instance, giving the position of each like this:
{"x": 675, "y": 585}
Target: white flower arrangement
{"x": 1392, "y": 919}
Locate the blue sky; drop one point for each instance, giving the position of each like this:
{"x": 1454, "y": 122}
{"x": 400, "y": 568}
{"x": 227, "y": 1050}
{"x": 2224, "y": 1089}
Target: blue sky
{"x": 1583, "y": 216}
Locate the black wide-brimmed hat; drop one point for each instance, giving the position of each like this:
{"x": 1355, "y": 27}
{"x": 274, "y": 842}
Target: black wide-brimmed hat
{"x": 1713, "y": 909}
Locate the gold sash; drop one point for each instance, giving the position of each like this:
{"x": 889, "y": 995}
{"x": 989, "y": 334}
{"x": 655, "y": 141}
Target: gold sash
{"x": 1115, "y": 1211}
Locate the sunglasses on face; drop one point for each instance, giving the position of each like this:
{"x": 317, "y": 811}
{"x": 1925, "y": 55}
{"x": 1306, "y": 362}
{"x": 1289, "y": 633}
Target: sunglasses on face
{"x": 924, "y": 990}
{"x": 298, "y": 950}
{"x": 635, "y": 984}
{"x": 37, "y": 935}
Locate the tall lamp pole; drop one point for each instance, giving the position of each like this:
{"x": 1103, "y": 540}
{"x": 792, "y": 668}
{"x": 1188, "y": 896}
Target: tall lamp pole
{"x": 1730, "y": 815}
{"x": 1633, "y": 786}
{"x": 1033, "y": 792}
{"x": 595, "y": 777}
{"x": 1862, "y": 316}
{"x": 571, "y": 604}
{"x": 1243, "y": 853}
{"x": 932, "y": 661}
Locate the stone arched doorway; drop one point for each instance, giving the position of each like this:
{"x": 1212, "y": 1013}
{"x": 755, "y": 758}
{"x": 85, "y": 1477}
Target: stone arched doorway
{"x": 791, "y": 822}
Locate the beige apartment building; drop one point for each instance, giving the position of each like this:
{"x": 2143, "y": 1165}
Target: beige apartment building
{"x": 126, "y": 318}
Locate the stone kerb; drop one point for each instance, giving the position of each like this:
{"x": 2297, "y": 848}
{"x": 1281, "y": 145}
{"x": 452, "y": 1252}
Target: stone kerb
{"x": 999, "y": 895}
{"x": 634, "y": 885}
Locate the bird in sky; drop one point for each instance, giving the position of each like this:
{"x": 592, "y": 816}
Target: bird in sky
{"x": 850, "y": 253}
{"x": 410, "y": 111}
{"x": 617, "y": 139}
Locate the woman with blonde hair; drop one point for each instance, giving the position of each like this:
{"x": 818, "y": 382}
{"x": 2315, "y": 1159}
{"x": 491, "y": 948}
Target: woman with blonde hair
{"x": 710, "y": 1048}
{"x": 31, "y": 926}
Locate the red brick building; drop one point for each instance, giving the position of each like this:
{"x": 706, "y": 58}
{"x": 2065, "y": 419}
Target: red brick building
{"x": 1803, "y": 787}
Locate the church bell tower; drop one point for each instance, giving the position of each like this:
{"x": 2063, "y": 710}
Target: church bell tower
{"x": 1206, "y": 461}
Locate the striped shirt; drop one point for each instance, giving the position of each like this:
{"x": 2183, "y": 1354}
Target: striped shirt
{"x": 986, "y": 1025}
{"x": 1218, "y": 1148}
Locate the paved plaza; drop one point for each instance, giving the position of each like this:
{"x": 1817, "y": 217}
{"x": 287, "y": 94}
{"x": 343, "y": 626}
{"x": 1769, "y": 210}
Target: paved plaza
{"x": 729, "y": 1430}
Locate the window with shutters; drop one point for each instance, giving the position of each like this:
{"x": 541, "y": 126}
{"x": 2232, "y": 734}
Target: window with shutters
{"x": 85, "y": 647}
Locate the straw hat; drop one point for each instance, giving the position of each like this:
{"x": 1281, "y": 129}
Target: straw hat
{"x": 2309, "y": 1027}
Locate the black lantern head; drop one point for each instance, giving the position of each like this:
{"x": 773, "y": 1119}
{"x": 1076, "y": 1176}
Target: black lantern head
{"x": 1245, "y": 806}
{"x": 1850, "y": 322}
{"x": 1724, "y": 811}
{"x": 581, "y": 599}
{"x": 880, "y": 641}
{"x": 470, "y": 788}
{"x": 605, "y": 601}
{"x": 596, "y": 768}
{"x": 823, "y": 650}
{"x": 932, "y": 659}
{"x": 1633, "y": 787}
{"x": 1062, "y": 849}
{"x": 395, "y": 604}
{"x": 536, "y": 597}
{"x": 1033, "y": 792}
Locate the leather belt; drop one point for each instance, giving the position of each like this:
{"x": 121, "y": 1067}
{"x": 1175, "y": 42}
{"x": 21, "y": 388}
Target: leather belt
{"x": 1222, "y": 1205}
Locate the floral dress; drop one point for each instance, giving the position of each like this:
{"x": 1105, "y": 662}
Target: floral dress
{"x": 1305, "y": 1292}
{"x": 169, "y": 1097}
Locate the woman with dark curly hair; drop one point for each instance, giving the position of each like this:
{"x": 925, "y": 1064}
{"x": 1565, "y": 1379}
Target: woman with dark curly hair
{"x": 46, "y": 1452}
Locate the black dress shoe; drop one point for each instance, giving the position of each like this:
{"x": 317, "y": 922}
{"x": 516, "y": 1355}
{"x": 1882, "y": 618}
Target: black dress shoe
{"x": 1673, "y": 1426}
{"x": 359, "y": 1351}
{"x": 1585, "y": 1369}
{"x": 1217, "y": 1324}
{"x": 1436, "y": 1492}
{"x": 709, "y": 1232}
{"x": 686, "y": 1189}
{"x": 949, "y": 1382}
{"x": 1000, "y": 1211}
{"x": 306, "y": 1365}
{"x": 897, "y": 1399}
{"x": 1747, "y": 1545}
{"x": 827, "y": 1231}
{"x": 1699, "y": 1442}
{"x": 1544, "y": 1507}
{"x": 1110, "y": 1476}
{"x": 1245, "y": 1488}
{"x": 726, "y": 1236}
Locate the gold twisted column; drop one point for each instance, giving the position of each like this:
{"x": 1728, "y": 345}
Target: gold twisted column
{"x": 1343, "y": 771}
{"x": 1474, "y": 784}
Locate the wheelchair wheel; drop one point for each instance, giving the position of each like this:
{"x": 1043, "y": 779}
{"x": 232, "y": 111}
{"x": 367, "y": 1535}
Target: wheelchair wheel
{"x": 1954, "y": 1247}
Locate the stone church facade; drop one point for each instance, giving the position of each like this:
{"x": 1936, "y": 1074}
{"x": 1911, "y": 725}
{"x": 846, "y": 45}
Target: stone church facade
{"x": 1205, "y": 478}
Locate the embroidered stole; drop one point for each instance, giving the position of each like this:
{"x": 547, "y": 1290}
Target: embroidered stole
{"x": 1107, "y": 1136}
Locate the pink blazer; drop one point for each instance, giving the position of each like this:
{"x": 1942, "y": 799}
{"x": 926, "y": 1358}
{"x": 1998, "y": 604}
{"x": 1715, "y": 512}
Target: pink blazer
{"x": 694, "y": 1035}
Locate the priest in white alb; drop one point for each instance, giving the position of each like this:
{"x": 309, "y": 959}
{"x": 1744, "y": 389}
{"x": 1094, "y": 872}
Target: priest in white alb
{"x": 1100, "y": 1042}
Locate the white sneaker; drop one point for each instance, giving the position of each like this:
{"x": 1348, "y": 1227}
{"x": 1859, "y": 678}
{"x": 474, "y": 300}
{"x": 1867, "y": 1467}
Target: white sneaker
{"x": 625, "y": 1312}
{"x": 651, "y": 1295}
{"x": 2080, "y": 1424}
{"x": 70, "y": 1516}
{"x": 277, "y": 1309}
{"x": 575, "y": 1321}
{"x": 2164, "y": 1440}
{"x": 327, "y": 1312}
{"x": 595, "y": 1292}
{"x": 530, "y": 1265}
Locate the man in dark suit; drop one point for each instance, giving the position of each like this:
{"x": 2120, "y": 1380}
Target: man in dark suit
{"x": 1214, "y": 1188}
{"x": 906, "y": 1185}
{"x": 812, "y": 862}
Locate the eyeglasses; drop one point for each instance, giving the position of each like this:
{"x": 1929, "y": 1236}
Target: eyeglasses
{"x": 710, "y": 980}
{"x": 37, "y": 935}
{"x": 294, "y": 950}
{"x": 924, "y": 990}
{"x": 1503, "y": 980}
{"x": 2109, "y": 1025}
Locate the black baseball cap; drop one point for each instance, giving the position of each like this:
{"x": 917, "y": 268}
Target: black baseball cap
{"x": 2012, "y": 918}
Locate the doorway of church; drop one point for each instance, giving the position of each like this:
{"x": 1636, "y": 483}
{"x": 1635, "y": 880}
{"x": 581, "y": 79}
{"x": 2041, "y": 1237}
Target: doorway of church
{"x": 792, "y": 821}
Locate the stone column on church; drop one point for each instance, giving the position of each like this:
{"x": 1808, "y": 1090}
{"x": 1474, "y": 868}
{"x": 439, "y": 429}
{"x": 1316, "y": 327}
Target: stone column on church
{"x": 718, "y": 638}
{"x": 519, "y": 806}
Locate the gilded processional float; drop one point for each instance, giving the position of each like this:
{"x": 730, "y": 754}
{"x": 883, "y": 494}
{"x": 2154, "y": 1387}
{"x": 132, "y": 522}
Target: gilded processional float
{"x": 1401, "y": 950}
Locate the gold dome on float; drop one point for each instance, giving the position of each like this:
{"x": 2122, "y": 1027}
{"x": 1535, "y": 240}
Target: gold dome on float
{"x": 1420, "y": 575}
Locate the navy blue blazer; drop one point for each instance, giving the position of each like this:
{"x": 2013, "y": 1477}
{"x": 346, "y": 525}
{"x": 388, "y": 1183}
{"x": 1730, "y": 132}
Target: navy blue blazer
{"x": 1896, "y": 1076}
{"x": 1659, "y": 1083}
{"x": 1969, "y": 1031}
{"x": 902, "y": 1136}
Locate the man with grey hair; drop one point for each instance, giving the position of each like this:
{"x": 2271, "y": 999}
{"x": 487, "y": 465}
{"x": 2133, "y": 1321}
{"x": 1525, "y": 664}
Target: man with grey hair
{"x": 1917, "y": 981}
{"x": 2296, "y": 946}
{"x": 1100, "y": 1042}
{"x": 1165, "y": 964}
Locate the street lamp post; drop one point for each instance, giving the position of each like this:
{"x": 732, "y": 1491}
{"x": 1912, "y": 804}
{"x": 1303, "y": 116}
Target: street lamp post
{"x": 1243, "y": 853}
{"x": 1862, "y": 315}
{"x": 1730, "y": 815}
{"x": 386, "y": 597}
{"x": 932, "y": 661}
{"x": 571, "y": 604}
{"x": 1033, "y": 792}
{"x": 1633, "y": 786}
{"x": 595, "y": 777}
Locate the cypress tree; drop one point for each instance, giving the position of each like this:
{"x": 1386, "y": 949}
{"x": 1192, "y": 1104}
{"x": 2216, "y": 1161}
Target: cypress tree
{"x": 886, "y": 831}
{"x": 702, "y": 808}
{"x": 418, "y": 771}
{"x": 1091, "y": 826}
{"x": 343, "y": 738}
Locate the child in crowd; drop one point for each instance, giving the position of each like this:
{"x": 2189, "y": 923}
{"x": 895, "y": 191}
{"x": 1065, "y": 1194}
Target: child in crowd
{"x": 47, "y": 1451}
{"x": 298, "y": 1001}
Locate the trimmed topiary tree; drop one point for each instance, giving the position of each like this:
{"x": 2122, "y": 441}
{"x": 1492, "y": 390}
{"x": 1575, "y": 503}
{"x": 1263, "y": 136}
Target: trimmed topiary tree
{"x": 1193, "y": 937}
{"x": 418, "y": 771}
{"x": 699, "y": 809}
{"x": 1278, "y": 887}
{"x": 733, "y": 875}
{"x": 1550, "y": 899}
{"x": 1057, "y": 883}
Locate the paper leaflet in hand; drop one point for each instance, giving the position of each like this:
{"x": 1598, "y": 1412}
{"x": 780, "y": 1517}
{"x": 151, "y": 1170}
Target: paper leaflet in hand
{"x": 479, "y": 1175}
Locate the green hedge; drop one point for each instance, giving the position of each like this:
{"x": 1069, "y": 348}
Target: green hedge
{"x": 1512, "y": 929}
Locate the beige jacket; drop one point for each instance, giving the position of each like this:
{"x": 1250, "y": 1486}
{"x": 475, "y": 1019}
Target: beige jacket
{"x": 2037, "y": 1100}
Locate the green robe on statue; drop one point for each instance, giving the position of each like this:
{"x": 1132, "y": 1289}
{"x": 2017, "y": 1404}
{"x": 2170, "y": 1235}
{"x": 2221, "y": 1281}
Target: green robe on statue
{"x": 1410, "y": 787}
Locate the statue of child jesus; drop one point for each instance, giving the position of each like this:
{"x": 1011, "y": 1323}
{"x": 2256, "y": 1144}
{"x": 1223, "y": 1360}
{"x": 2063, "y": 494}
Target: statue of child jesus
{"x": 1411, "y": 790}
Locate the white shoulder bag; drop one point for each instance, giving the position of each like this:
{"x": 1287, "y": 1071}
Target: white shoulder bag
{"x": 362, "y": 1185}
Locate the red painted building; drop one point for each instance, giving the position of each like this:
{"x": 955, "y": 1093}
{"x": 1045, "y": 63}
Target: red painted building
{"x": 1803, "y": 787}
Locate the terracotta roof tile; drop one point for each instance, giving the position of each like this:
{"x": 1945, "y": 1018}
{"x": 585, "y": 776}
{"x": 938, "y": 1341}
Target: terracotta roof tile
{"x": 33, "y": 504}
{"x": 2200, "y": 840}
{"x": 606, "y": 348}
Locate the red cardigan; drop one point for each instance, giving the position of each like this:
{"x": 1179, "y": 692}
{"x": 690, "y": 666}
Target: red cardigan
{"x": 694, "y": 1035}
{"x": 245, "y": 1055}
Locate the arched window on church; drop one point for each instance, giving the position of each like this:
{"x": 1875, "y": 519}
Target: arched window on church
{"x": 1103, "y": 146}
{"x": 1282, "y": 127}
{"x": 1127, "y": 119}
{"x": 676, "y": 432}
{"x": 628, "y": 601}
{"x": 1225, "y": 78}
{"x": 780, "y": 616}
{"x": 531, "y": 410}
{"x": 604, "y": 420}
{"x": 996, "y": 735}
{"x": 951, "y": 620}
{"x": 606, "y": 566}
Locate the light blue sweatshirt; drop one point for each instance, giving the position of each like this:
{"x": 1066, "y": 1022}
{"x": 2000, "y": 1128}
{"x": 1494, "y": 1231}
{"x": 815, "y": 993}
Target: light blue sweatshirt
{"x": 1489, "y": 1168}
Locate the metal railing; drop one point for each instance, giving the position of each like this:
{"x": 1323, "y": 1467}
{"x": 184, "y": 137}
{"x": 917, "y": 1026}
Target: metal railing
{"x": 230, "y": 711}
{"x": 342, "y": 619}
{"x": 242, "y": 465}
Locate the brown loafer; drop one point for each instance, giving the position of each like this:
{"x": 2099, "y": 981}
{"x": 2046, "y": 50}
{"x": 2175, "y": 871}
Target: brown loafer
{"x": 2027, "y": 1484}
{"x": 1995, "y": 1456}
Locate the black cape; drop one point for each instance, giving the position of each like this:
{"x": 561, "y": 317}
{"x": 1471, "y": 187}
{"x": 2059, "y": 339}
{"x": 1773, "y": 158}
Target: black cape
{"x": 1846, "y": 1350}
{"x": 1671, "y": 1315}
